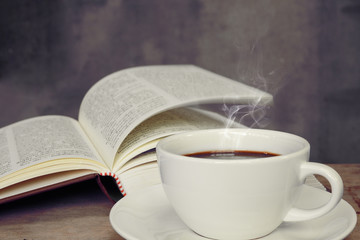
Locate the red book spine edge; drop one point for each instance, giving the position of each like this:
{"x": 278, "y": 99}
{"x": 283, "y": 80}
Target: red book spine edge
{"x": 117, "y": 179}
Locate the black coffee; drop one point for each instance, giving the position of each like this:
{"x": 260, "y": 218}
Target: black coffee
{"x": 232, "y": 155}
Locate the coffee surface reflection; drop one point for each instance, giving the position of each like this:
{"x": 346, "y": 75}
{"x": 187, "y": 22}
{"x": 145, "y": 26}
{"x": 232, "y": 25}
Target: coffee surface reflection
{"x": 231, "y": 155}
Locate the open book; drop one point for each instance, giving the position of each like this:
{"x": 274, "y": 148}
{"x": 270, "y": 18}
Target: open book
{"x": 121, "y": 118}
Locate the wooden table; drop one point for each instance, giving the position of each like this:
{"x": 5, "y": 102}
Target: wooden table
{"x": 350, "y": 174}
{"x": 81, "y": 211}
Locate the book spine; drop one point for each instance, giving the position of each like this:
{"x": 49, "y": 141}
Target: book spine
{"x": 117, "y": 179}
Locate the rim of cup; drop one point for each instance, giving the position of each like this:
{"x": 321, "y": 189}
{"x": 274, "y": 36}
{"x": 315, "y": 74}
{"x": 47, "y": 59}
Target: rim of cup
{"x": 274, "y": 134}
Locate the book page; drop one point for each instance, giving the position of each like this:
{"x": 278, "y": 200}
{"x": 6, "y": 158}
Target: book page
{"x": 45, "y": 181}
{"x": 37, "y": 140}
{"x": 5, "y": 159}
{"x": 144, "y": 157}
{"x": 114, "y": 106}
{"x": 189, "y": 83}
{"x": 161, "y": 125}
{"x": 140, "y": 177}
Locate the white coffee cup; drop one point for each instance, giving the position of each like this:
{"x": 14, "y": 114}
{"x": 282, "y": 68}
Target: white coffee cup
{"x": 240, "y": 199}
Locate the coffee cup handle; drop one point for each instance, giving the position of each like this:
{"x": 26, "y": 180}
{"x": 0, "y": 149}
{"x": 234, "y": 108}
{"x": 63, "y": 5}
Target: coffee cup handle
{"x": 337, "y": 189}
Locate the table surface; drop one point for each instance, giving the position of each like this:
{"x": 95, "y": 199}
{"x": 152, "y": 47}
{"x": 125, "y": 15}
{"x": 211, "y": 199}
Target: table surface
{"x": 81, "y": 211}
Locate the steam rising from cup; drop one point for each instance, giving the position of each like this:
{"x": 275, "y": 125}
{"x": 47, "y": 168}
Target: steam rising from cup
{"x": 254, "y": 114}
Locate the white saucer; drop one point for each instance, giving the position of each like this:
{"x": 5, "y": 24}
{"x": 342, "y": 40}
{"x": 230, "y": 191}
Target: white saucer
{"x": 148, "y": 215}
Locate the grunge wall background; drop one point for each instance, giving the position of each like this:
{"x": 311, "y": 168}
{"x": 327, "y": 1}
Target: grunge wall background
{"x": 308, "y": 52}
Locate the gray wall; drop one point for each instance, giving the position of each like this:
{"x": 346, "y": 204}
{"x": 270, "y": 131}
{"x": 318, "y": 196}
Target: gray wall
{"x": 52, "y": 52}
